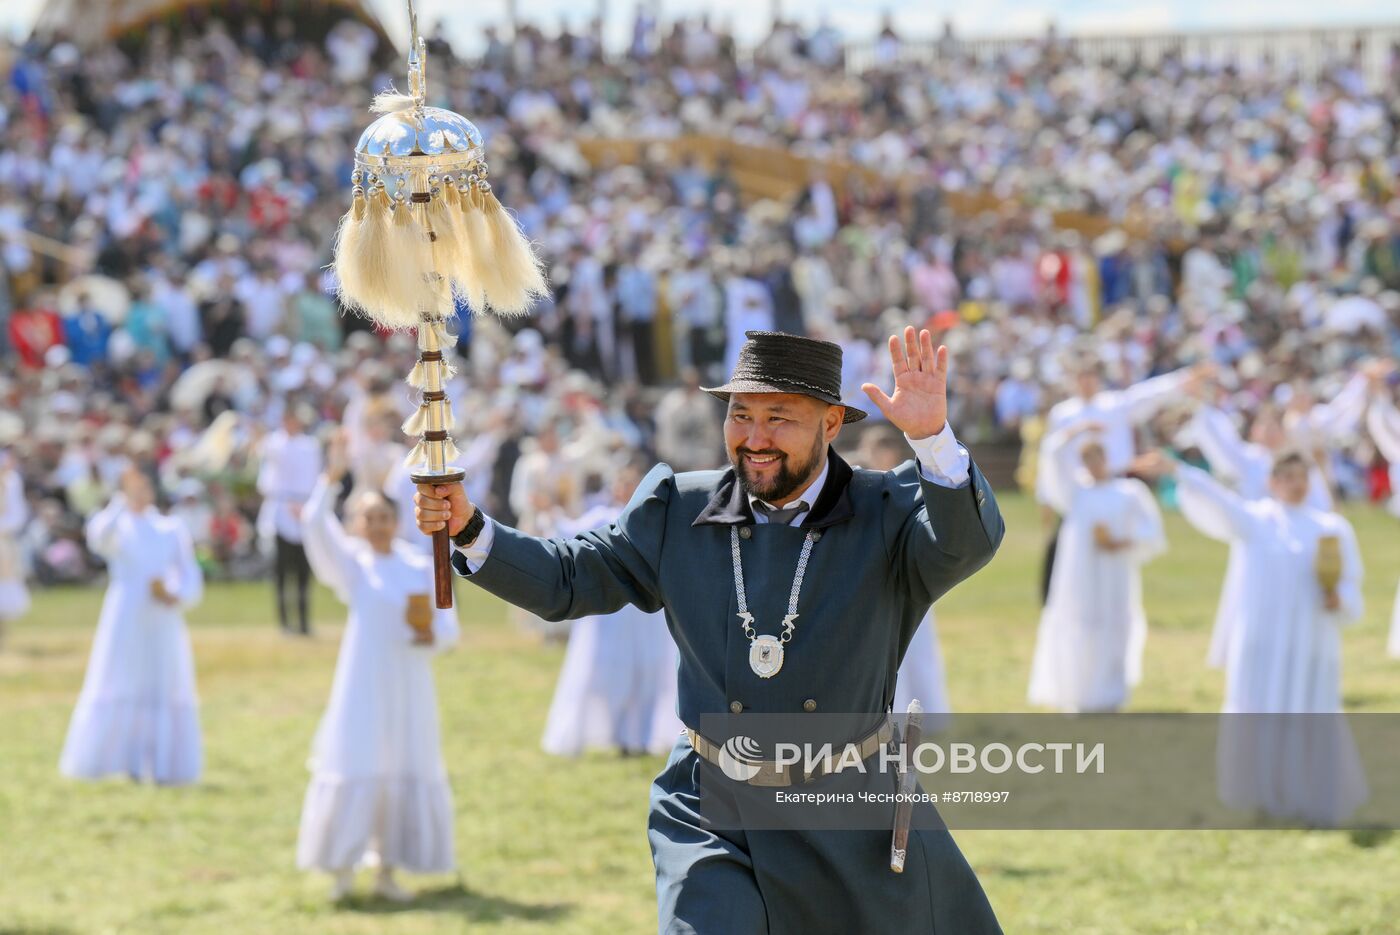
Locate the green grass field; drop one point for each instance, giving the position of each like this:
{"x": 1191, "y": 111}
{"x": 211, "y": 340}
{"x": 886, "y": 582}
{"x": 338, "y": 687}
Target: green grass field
{"x": 554, "y": 846}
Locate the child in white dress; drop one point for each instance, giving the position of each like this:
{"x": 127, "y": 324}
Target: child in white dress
{"x": 379, "y": 790}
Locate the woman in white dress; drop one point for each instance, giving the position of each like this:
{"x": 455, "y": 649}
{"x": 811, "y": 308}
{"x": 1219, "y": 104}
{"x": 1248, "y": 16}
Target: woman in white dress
{"x": 138, "y": 713}
{"x": 617, "y": 686}
{"x": 14, "y": 513}
{"x": 1283, "y": 653}
{"x": 379, "y": 792}
{"x": 1088, "y": 651}
{"x": 1246, "y": 465}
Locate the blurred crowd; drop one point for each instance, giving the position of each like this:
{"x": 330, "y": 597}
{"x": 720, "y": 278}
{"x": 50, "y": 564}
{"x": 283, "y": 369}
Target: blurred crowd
{"x": 165, "y": 221}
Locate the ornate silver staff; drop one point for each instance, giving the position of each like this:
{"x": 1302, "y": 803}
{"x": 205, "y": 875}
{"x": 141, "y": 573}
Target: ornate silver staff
{"x": 424, "y": 229}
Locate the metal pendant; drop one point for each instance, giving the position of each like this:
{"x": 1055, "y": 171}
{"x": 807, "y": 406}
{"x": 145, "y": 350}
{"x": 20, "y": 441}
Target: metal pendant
{"x": 765, "y": 656}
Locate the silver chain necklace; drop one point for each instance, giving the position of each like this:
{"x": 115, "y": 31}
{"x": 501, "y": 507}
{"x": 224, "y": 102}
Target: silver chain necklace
{"x": 766, "y": 652}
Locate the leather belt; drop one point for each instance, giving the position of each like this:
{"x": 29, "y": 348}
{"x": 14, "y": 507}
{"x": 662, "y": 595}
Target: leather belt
{"x": 770, "y": 773}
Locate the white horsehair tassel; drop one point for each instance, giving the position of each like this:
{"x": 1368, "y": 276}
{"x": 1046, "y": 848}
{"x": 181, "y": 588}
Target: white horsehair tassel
{"x": 418, "y": 376}
{"x": 449, "y": 450}
{"x": 519, "y": 278}
{"x": 477, "y": 234}
{"x": 410, "y": 292}
{"x": 416, "y": 423}
{"x": 418, "y": 455}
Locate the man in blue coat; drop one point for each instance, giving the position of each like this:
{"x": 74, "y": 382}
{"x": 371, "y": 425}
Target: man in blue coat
{"x": 792, "y": 584}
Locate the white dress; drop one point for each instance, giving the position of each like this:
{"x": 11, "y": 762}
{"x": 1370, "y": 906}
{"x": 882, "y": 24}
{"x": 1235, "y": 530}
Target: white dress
{"x": 921, "y": 675}
{"x": 1383, "y": 421}
{"x": 378, "y": 783}
{"x": 1247, "y": 466}
{"x": 14, "y": 513}
{"x": 1088, "y": 649}
{"x": 1283, "y": 656}
{"x": 617, "y": 686}
{"x": 138, "y": 713}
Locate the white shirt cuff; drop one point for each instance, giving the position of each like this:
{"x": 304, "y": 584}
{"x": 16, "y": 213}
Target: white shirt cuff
{"x": 942, "y": 460}
{"x": 477, "y": 553}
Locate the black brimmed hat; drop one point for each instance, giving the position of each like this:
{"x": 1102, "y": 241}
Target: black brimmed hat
{"x": 774, "y": 362}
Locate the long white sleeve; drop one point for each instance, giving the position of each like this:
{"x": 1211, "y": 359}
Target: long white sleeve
{"x": 1383, "y": 421}
{"x": 480, "y": 550}
{"x": 1212, "y": 508}
{"x": 1061, "y": 415}
{"x": 1145, "y": 528}
{"x": 328, "y": 545}
{"x": 1055, "y": 484}
{"x": 1341, "y": 416}
{"x": 103, "y": 527}
{"x": 1220, "y": 442}
{"x": 942, "y": 460}
{"x": 188, "y": 583}
{"x": 1142, "y": 400}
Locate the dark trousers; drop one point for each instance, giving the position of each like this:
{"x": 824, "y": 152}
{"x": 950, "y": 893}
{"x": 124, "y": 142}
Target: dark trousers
{"x": 643, "y": 352}
{"x": 581, "y": 350}
{"x": 705, "y": 352}
{"x": 291, "y": 563}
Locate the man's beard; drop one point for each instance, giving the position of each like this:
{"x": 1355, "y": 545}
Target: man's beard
{"x": 789, "y": 478}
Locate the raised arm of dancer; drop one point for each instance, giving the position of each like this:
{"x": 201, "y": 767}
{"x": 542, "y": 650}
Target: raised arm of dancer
{"x": 1220, "y": 442}
{"x": 329, "y": 548}
{"x": 1144, "y": 398}
{"x": 1341, "y": 416}
{"x": 1210, "y": 506}
{"x": 103, "y": 527}
{"x": 1059, "y": 462}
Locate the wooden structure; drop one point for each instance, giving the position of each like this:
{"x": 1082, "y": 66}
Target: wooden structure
{"x": 769, "y": 172}
{"x": 92, "y": 22}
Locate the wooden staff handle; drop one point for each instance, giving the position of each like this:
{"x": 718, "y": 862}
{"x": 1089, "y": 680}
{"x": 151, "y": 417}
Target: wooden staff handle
{"x": 442, "y": 569}
{"x": 442, "y": 543}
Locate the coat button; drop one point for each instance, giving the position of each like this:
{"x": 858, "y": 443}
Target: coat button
{"x": 809, "y": 705}
{"x": 735, "y": 707}
{"x": 816, "y": 534}
{"x": 745, "y": 532}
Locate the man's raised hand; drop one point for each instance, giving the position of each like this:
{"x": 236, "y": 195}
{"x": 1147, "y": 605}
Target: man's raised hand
{"x": 919, "y": 406}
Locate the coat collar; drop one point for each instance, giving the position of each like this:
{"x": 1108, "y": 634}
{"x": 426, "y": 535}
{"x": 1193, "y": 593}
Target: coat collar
{"x": 729, "y": 506}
